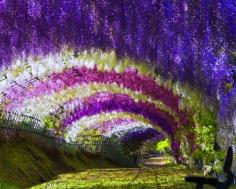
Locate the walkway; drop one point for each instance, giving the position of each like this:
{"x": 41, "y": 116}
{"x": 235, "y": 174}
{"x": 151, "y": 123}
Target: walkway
{"x": 155, "y": 174}
{"x": 156, "y": 161}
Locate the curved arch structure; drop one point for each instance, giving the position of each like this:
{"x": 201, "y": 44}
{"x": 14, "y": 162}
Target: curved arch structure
{"x": 59, "y": 58}
{"x": 107, "y": 102}
{"x": 87, "y": 87}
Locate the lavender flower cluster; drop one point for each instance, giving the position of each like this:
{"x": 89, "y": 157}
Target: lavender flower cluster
{"x": 107, "y": 102}
{"x": 187, "y": 40}
{"x": 193, "y": 42}
{"x": 141, "y": 135}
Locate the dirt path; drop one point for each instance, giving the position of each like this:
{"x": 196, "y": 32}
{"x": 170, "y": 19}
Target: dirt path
{"x": 155, "y": 161}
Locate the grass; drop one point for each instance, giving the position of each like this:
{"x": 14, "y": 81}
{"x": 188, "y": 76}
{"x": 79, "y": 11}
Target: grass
{"x": 24, "y": 164}
{"x": 167, "y": 177}
{"x": 4, "y": 185}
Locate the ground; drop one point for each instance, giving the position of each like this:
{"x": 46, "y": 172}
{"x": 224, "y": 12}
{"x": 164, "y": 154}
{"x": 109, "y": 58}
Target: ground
{"x": 169, "y": 176}
{"x": 154, "y": 174}
{"x": 24, "y": 169}
{"x": 24, "y": 164}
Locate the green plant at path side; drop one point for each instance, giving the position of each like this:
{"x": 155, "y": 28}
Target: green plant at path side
{"x": 4, "y": 185}
{"x": 163, "y": 146}
{"x": 206, "y": 139}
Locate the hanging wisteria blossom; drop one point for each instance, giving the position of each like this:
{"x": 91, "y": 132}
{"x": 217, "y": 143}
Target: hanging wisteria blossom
{"x": 75, "y": 64}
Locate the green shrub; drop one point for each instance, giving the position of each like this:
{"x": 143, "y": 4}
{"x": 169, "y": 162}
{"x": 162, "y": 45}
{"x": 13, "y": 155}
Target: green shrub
{"x": 163, "y": 146}
{"x": 4, "y": 185}
{"x": 206, "y": 139}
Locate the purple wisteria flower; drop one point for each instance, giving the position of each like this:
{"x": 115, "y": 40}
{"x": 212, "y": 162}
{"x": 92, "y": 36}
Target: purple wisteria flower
{"x": 192, "y": 42}
{"x": 183, "y": 39}
{"x": 142, "y": 135}
{"x": 108, "y": 102}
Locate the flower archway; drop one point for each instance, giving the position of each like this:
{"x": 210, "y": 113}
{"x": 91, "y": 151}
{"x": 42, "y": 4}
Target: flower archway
{"x": 187, "y": 42}
{"x": 63, "y": 90}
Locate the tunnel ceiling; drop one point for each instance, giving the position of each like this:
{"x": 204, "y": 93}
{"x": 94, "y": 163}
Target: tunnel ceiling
{"x": 90, "y": 90}
{"x": 66, "y": 62}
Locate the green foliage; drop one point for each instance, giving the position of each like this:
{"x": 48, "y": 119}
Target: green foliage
{"x": 206, "y": 138}
{"x": 206, "y": 141}
{"x": 4, "y": 185}
{"x": 228, "y": 87}
{"x": 201, "y": 151}
{"x": 166, "y": 177}
{"x": 89, "y": 136}
{"x": 204, "y": 118}
{"x": 163, "y": 146}
{"x": 89, "y": 132}
{"x": 24, "y": 164}
{"x": 50, "y": 122}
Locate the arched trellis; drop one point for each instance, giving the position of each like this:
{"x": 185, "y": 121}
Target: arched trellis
{"x": 109, "y": 123}
{"x": 188, "y": 41}
{"x": 88, "y": 85}
{"x": 106, "y": 102}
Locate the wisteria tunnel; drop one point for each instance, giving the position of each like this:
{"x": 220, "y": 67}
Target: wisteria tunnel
{"x": 141, "y": 69}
